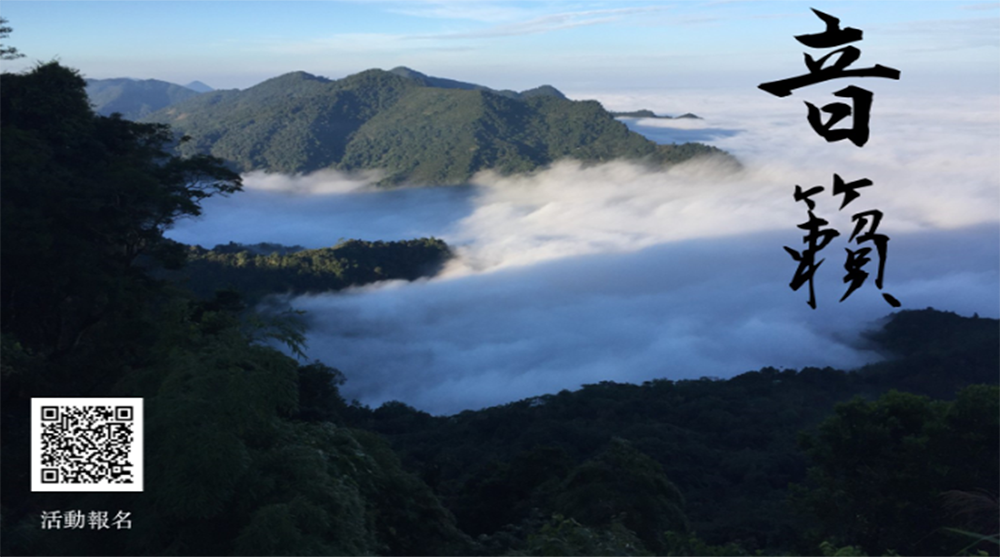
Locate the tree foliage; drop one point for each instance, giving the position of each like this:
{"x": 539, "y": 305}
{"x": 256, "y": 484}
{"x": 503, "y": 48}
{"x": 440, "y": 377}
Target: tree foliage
{"x": 623, "y": 484}
{"x": 7, "y": 52}
{"x": 85, "y": 202}
{"x": 881, "y": 469}
{"x": 566, "y": 536}
{"x": 271, "y": 269}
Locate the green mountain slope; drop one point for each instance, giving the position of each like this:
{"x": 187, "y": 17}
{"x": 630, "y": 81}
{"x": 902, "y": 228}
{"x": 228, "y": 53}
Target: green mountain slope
{"x": 444, "y": 83}
{"x": 134, "y": 98}
{"x": 410, "y": 126}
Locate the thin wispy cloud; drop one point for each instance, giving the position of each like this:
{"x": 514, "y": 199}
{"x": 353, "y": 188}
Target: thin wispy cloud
{"x": 376, "y": 43}
{"x": 950, "y": 34}
{"x": 982, "y": 6}
{"x": 725, "y": 2}
{"x": 469, "y": 11}
{"x": 340, "y": 43}
{"x": 550, "y": 23}
{"x": 789, "y": 15}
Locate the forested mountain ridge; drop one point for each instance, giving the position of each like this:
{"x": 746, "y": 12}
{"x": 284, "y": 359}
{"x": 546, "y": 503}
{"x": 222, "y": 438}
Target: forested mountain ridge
{"x": 411, "y": 127}
{"x": 259, "y": 270}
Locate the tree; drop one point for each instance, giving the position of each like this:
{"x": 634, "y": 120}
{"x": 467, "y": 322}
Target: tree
{"x": 565, "y": 536}
{"x": 7, "y": 52}
{"x": 881, "y": 469}
{"x": 85, "y": 202}
{"x": 624, "y": 484}
{"x": 872, "y": 486}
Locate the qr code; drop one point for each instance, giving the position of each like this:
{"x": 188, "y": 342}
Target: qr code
{"x": 86, "y": 444}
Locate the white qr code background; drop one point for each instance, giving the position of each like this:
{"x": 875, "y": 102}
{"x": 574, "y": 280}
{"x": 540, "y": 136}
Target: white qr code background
{"x": 86, "y": 444}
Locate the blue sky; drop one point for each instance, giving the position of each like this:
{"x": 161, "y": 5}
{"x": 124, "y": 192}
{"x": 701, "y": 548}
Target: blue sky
{"x": 575, "y": 45}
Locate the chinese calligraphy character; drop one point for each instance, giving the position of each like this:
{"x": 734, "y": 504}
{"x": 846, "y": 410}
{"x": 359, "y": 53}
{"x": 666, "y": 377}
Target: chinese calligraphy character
{"x": 98, "y": 520}
{"x": 820, "y": 71}
{"x": 74, "y": 520}
{"x": 51, "y": 520}
{"x": 818, "y": 238}
{"x": 121, "y": 520}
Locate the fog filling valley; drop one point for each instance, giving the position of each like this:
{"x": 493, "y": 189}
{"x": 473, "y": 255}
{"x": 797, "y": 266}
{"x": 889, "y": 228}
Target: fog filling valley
{"x": 617, "y": 272}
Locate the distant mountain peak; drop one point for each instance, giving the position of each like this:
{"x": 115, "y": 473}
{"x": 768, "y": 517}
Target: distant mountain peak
{"x": 134, "y": 98}
{"x": 299, "y": 76}
{"x": 403, "y": 71}
{"x": 646, "y": 113}
{"x": 542, "y": 91}
{"x": 199, "y": 87}
{"x": 444, "y": 83}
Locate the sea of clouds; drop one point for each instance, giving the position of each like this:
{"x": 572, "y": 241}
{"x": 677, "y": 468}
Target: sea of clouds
{"x": 577, "y": 274}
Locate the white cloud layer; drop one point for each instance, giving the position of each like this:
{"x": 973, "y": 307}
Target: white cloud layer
{"x": 619, "y": 272}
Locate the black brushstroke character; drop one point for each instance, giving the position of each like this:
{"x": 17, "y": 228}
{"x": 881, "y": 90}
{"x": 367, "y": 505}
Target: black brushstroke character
{"x": 820, "y": 71}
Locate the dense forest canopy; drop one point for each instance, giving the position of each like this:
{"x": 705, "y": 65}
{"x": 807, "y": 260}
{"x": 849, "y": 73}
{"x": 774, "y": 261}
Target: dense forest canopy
{"x": 263, "y": 269}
